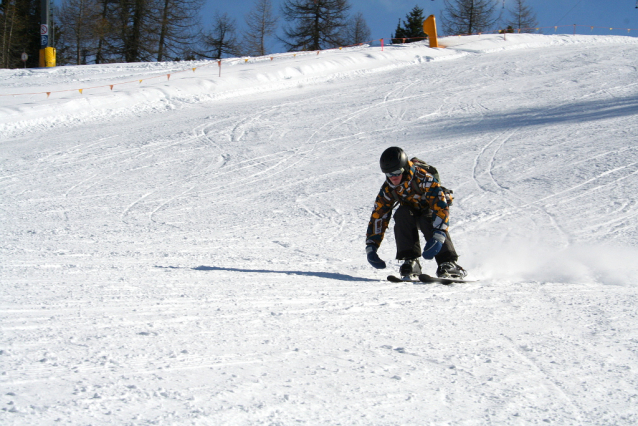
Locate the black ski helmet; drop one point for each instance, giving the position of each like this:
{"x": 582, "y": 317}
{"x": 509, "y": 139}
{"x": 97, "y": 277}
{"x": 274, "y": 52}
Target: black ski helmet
{"x": 393, "y": 159}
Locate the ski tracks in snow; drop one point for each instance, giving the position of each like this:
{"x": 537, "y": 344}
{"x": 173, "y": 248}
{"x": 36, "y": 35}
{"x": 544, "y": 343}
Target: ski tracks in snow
{"x": 492, "y": 155}
{"x": 107, "y": 317}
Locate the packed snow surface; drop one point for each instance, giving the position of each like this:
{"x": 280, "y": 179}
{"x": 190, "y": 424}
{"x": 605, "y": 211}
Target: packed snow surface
{"x": 190, "y": 249}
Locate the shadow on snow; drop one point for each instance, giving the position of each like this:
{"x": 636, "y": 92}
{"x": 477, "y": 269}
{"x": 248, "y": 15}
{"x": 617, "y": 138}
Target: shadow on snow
{"x": 329, "y": 275}
{"x": 576, "y": 112}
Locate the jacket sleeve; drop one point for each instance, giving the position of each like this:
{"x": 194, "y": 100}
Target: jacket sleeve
{"x": 380, "y": 218}
{"x": 436, "y": 200}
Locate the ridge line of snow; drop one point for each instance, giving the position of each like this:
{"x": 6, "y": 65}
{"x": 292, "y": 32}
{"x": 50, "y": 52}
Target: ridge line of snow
{"x": 27, "y": 115}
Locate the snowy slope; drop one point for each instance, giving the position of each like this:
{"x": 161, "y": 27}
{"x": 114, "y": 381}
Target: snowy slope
{"x": 191, "y": 250}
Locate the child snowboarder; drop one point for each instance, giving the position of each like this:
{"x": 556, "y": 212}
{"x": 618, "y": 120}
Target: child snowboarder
{"x": 423, "y": 205}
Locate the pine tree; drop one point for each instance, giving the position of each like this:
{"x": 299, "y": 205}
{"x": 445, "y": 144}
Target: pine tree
{"x": 399, "y": 33}
{"x": 11, "y": 24}
{"x": 356, "y": 30}
{"x": 522, "y": 18}
{"x": 318, "y": 24}
{"x": 221, "y": 39}
{"x": 261, "y": 23}
{"x": 137, "y": 30}
{"x": 19, "y": 23}
{"x": 79, "y": 19}
{"x": 469, "y": 16}
{"x": 412, "y": 28}
{"x": 105, "y": 33}
{"x": 177, "y": 21}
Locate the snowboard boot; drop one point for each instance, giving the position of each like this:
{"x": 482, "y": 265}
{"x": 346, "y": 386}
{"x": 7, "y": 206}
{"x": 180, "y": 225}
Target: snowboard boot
{"x": 410, "y": 267}
{"x": 450, "y": 270}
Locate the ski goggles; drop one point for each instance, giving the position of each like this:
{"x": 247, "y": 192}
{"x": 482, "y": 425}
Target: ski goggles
{"x": 395, "y": 173}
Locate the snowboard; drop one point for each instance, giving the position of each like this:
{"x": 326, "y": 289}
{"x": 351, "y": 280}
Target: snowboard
{"x": 425, "y": 279}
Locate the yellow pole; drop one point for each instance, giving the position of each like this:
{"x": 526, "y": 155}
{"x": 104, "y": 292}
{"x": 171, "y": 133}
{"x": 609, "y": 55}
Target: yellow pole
{"x": 47, "y": 53}
{"x": 49, "y": 57}
{"x": 429, "y": 28}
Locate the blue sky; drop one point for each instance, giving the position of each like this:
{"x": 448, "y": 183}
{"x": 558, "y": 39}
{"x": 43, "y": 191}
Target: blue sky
{"x": 382, "y": 15}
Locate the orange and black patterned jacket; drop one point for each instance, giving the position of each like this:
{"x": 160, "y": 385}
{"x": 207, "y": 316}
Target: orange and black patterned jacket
{"x": 419, "y": 191}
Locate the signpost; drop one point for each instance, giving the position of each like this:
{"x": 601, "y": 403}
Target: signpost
{"x": 24, "y": 58}
{"x": 47, "y": 53}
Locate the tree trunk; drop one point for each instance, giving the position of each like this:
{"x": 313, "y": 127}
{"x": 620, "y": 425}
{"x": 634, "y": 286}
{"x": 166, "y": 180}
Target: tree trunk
{"x": 471, "y": 18}
{"x": 98, "y": 54}
{"x": 163, "y": 30}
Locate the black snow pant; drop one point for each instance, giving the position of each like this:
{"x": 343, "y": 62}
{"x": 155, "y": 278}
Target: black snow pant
{"x": 407, "y": 223}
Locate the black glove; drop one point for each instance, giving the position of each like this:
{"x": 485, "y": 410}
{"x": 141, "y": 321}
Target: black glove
{"x": 373, "y": 258}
